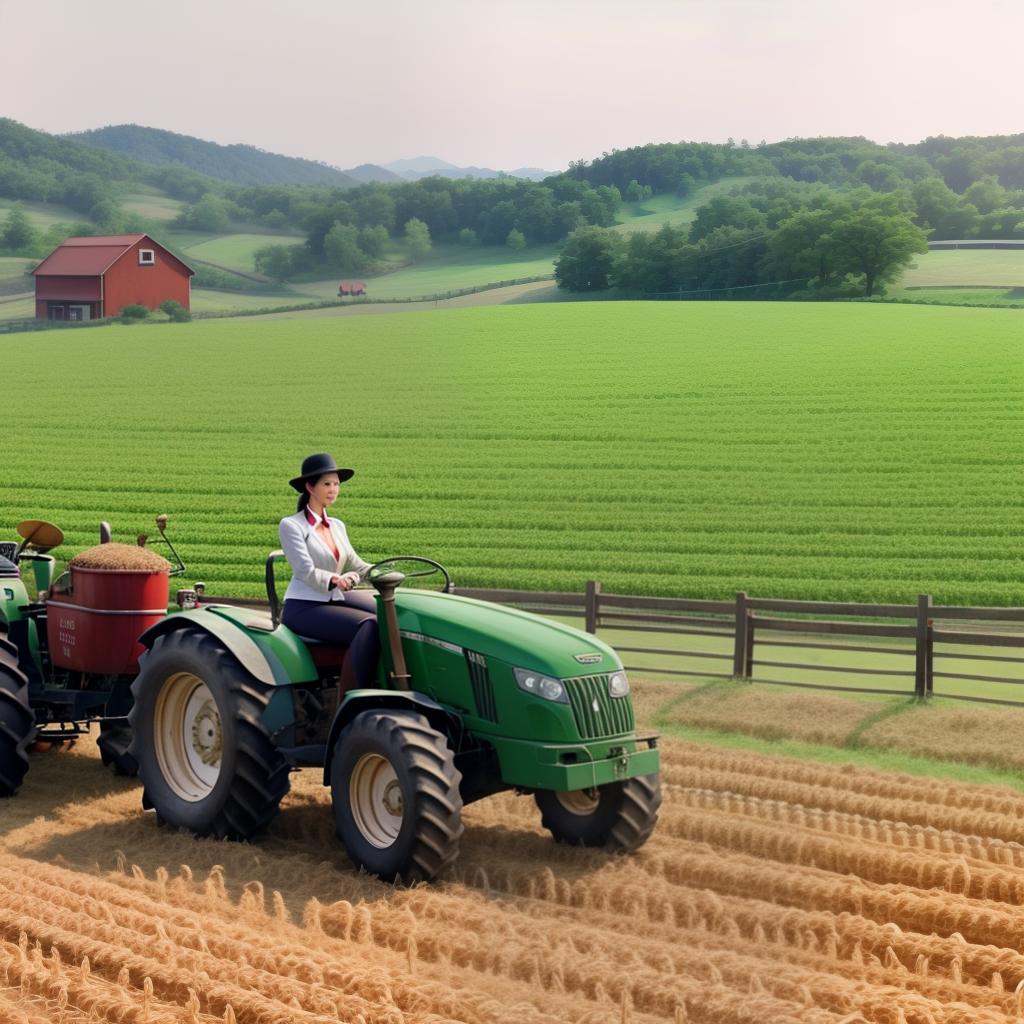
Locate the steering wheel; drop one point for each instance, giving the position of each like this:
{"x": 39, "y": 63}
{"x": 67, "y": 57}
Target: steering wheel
{"x": 388, "y": 565}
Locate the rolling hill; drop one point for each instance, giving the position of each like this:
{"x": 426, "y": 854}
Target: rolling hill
{"x": 240, "y": 164}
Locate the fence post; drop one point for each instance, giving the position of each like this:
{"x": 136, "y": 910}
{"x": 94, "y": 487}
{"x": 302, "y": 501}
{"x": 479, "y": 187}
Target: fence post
{"x": 922, "y": 647}
{"x": 748, "y": 663}
{"x": 739, "y": 655}
{"x": 591, "y": 599}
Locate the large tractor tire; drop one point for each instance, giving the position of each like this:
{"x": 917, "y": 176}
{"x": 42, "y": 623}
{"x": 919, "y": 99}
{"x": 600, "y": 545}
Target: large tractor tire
{"x": 205, "y": 758}
{"x": 114, "y": 742}
{"x": 395, "y": 792}
{"x": 17, "y": 723}
{"x": 618, "y": 817}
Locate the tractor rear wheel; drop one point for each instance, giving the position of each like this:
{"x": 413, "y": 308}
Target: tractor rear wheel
{"x": 619, "y": 816}
{"x": 114, "y": 740}
{"x": 17, "y": 723}
{"x": 395, "y": 792}
{"x": 206, "y": 760}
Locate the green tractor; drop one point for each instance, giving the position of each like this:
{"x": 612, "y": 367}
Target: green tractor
{"x": 472, "y": 699}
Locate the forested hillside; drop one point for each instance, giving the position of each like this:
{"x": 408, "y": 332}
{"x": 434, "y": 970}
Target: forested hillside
{"x": 823, "y": 217}
{"x": 239, "y": 164}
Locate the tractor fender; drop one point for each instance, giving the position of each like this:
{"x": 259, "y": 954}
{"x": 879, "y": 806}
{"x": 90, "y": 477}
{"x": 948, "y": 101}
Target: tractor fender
{"x": 357, "y": 701}
{"x": 235, "y": 639}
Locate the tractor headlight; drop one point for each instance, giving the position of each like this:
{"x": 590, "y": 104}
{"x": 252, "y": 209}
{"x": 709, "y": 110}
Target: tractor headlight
{"x": 542, "y": 686}
{"x": 618, "y": 684}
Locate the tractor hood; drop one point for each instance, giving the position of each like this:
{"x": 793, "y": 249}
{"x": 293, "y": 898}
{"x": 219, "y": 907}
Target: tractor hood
{"x": 519, "y": 638}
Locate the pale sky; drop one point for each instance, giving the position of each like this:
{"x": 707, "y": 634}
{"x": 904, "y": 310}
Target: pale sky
{"x": 522, "y": 83}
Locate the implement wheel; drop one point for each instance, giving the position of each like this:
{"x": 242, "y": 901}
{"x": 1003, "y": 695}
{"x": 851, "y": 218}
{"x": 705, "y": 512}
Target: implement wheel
{"x": 395, "y": 792}
{"x": 114, "y": 740}
{"x": 205, "y": 758}
{"x": 618, "y": 817}
{"x": 17, "y": 723}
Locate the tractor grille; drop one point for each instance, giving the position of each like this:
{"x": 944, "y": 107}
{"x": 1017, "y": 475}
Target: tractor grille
{"x": 483, "y": 690}
{"x": 614, "y": 715}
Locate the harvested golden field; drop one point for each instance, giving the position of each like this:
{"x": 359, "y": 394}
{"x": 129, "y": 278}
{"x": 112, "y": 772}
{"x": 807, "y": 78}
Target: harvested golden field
{"x": 773, "y": 890}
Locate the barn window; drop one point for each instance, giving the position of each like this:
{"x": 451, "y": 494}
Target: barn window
{"x": 147, "y": 257}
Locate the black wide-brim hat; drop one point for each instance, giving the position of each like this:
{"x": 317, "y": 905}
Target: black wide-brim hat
{"x": 314, "y": 466}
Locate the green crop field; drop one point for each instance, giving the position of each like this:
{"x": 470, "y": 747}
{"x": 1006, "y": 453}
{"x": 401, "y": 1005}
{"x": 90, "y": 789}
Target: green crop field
{"x": 844, "y": 451}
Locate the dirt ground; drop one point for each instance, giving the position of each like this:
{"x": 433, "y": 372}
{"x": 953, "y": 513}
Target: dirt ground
{"x": 772, "y": 890}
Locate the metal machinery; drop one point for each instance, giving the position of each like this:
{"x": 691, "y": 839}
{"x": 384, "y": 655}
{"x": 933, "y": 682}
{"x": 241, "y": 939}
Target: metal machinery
{"x": 471, "y": 698}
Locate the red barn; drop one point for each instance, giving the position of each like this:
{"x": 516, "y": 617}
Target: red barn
{"x": 89, "y": 278}
{"x": 352, "y": 288}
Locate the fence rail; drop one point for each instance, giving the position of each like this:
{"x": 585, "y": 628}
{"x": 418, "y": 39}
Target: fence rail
{"x": 748, "y": 629}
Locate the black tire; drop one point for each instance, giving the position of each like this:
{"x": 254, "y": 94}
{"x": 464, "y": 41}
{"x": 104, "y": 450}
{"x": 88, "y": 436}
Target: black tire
{"x": 618, "y": 817}
{"x": 17, "y": 723}
{"x": 114, "y": 741}
{"x": 395, "y": 793}
{"x": 205, "y": 758}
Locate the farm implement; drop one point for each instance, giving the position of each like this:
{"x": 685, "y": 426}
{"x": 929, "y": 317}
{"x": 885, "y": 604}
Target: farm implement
{"x": 214, "y": 705}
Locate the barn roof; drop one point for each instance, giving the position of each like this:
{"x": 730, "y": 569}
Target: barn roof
{"x": 88, "y": 256}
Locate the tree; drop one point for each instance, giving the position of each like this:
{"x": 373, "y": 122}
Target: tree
{"x": 871, "y": 242}
{"x": 516, "y": 240}
{"x": 417, "y": 237}
{"x": 17, "y": 233}
{"x": 801, "y": 246}
{"x": 467, "y": 236}
{"x": 373, "y": 240}
{"x": 341, "y": 248}
{"x": 275, "y": 261}
{"x": 209, "y": 214}
{"x": 585, "y": 262}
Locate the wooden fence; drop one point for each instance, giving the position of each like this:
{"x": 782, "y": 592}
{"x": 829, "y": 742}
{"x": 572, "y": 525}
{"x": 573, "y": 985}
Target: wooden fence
{"x": 750, "y": 631}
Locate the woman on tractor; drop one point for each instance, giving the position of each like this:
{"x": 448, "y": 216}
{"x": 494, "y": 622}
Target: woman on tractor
{"x": 320, "y": 601}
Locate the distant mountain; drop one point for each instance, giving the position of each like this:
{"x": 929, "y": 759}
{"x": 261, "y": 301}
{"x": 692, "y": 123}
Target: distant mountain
{"x": 372, "y": 172}
{"x": 239, "y": 164}
{"x": 431, "y": 166}
{"x": 420, "y": 165}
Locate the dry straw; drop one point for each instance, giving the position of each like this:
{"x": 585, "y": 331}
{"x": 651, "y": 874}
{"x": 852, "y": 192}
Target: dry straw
{"x": 120, "y": 558}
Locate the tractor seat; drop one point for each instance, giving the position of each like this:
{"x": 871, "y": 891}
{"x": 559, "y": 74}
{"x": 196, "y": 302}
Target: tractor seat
{"x": 324, "y": 653}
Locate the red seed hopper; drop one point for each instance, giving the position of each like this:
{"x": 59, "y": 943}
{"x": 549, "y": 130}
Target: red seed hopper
{"x": 117, "y": 592}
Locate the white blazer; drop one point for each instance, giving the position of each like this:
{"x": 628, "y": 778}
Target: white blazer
{"x": 312, "y": 561}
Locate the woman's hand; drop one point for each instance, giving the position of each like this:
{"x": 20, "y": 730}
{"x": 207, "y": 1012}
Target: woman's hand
{"x": 345, "y": 582}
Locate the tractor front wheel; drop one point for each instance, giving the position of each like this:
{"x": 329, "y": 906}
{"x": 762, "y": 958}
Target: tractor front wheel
{"x": 206, "y": 760}
{"x": 17, "y": 723}
{"x": 618, "y": 817}
{"x": 395, "y": 791}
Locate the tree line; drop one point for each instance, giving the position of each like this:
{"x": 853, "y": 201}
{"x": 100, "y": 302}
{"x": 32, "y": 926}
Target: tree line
{"x": 793, "y": 239}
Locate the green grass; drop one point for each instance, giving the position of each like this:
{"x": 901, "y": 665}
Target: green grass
{"x": 838, "y": 451}
{"x": 959, "y": 296}
{"x": 652, "y": 213}
{"x": 238, "y": 251}
{"x": 207, "y": 300}
{"x": 448, "y": 267}
{"x": 43, "y": 215}
{"x": 19, "y": 309}
{"x": 154, "y": 206}
{"x": 966, "y": 268}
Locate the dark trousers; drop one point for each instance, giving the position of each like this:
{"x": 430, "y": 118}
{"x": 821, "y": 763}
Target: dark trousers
{"x": 352, "y": 622}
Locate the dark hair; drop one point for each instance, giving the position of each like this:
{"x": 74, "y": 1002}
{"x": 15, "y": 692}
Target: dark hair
{"x": 304, "y": 495}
